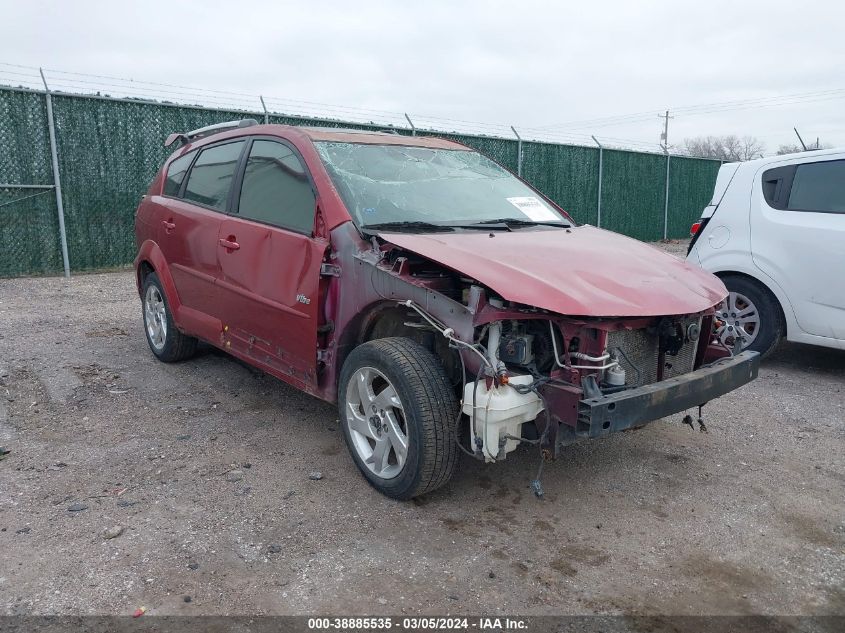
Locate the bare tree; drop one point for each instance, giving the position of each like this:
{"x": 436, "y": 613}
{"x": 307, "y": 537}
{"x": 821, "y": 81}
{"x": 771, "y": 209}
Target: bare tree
{"x": 729, "y": 147}
{"x": 795, "y": 148}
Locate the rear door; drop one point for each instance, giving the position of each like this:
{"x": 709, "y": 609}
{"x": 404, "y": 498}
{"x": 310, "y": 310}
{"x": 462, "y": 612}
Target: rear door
{"x": 270, "y": 263}
{"x": 798, "y": 239}
{"x": 190, "y": 226}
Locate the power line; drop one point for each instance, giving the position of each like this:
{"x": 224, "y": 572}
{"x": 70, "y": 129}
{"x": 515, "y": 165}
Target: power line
{"x": 707, "y": 108}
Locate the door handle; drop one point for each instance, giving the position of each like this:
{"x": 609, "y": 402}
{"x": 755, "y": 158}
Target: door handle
{"x": 169, "y": 225}
{"x": 229, "y": 243}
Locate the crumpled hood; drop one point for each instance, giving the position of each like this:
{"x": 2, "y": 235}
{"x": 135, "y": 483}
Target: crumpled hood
{"x": 584, "y": 272}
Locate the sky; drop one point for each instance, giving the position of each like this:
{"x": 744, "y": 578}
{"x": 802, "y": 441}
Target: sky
{"x": 558, "y": 71}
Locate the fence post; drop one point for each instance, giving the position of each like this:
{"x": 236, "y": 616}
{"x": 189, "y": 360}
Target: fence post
{"x": 411, "y": 123}
{"x": 57, "y": 181}
{"x": 264, "y": 107}
{"x": 518, "y": 152}
{"x": 666, "y": 202}
{"x": 601, "y": 168}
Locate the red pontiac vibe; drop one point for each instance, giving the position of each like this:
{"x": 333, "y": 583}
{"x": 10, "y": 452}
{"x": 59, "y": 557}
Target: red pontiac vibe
{"x": 443, "y": 303}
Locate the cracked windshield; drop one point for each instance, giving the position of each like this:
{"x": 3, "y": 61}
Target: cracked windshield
{"x": 388, "y": 186}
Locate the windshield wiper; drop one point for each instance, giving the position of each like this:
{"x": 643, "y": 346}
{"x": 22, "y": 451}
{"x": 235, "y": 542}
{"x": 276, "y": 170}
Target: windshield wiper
{"x": 523, "y": 222}
{"x": 406, "y": 225}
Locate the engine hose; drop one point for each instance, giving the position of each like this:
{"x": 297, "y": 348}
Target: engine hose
{"x": 456, "y": 427}
{"x": 447, "y": 332}
{"x": 472, "y": 419}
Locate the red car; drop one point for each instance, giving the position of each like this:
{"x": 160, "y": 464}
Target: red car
{"x": 443, "y": 303}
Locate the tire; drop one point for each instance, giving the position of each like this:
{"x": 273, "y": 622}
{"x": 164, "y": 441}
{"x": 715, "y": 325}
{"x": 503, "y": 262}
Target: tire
{"x": 167, "y": 343}
{"x": 426, "y": 411}
{"x": 751, "y": 298}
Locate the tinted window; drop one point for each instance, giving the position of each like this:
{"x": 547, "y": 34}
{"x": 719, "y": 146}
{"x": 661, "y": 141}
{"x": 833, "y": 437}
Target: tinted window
{"x": 276, "y": 188}
{"x": 211, "y": 176}
{"x": 176, "y": 173}
{"x": 819, "y": 187}
{"x": 776, "y": 184}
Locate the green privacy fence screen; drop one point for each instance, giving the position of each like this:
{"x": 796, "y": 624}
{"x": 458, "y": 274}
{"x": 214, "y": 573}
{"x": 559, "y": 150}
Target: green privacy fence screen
{"x": 109, "y": 149}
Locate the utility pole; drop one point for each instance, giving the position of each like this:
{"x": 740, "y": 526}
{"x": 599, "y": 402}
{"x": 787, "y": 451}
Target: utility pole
{"x": 664, "y": 136}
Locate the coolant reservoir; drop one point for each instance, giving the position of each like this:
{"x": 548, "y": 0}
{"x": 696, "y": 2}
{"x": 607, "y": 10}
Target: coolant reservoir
{"x": 500, "y": 411}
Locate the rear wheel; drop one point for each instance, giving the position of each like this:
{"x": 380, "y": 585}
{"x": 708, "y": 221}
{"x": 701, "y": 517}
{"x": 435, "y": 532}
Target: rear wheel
{"x": 397, "y": 408}
{"x": 166, "y": 342}
{"x": 751, "y": 314}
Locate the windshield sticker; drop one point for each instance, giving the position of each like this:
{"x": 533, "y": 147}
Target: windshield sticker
{"x": 533, "y": 208}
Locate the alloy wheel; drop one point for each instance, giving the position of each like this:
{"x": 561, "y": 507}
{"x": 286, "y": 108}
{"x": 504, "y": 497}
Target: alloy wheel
{"x": 376, "y": 421}
{"x": 155, "y": 317}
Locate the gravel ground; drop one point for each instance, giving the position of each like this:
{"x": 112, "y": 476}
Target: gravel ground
{"x": 186, "y": 489}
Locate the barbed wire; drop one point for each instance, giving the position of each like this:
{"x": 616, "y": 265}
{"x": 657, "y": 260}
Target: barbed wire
{"x": 110, "y": 86}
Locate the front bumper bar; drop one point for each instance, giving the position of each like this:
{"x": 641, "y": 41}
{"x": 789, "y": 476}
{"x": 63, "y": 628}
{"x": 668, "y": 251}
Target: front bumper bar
{"x": 635, "y": 407}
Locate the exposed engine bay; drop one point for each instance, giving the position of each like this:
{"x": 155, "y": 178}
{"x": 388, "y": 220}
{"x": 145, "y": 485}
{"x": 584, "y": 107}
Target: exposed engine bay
{"x": 522, "y": 360}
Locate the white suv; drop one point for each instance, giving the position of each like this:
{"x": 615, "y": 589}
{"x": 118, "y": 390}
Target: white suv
{"x": 774, "y": 232}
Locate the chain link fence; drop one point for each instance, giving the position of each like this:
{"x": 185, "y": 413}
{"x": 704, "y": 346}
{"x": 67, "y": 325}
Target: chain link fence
{"x": 29, "y": 228}
{"x": 109, "y": 150}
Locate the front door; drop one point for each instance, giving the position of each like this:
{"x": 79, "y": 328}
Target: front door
{"x": 270, "y": 264}
{"x": 798, "y": 239}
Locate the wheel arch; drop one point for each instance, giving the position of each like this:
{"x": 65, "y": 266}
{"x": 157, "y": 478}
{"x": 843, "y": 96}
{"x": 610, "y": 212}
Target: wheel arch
{"x": 386, "y": 319}
{"x": 150, "y": 259}
{"x": 143, "y": 270}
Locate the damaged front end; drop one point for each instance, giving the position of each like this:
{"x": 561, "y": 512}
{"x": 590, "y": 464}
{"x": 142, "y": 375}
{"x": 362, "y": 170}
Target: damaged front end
{"x": 553, "y": 379}
{"x": 525, "y": 373}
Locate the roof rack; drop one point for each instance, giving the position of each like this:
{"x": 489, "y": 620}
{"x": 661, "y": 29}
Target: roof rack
{"x": 208, "y": 130}
{"x": 348, "y": 130}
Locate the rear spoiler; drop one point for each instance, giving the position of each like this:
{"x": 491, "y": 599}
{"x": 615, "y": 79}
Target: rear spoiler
{"x": 208, "y": 130}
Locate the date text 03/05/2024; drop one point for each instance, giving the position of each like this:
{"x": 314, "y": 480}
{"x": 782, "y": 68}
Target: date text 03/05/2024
{"x": 424, "y": 623}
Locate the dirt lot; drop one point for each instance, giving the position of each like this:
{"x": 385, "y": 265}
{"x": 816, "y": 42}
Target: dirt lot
{"x": 205, "y": 467}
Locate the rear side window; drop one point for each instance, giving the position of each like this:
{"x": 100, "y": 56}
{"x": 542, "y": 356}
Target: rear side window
{"x": 176, "y": 174}
{"x": 819, "y": 187}
{"x": 211, "y": 176}
{"x": 776, "y": 185}
{"x": 815, "y": 187}
{"x": 276, "y": 189}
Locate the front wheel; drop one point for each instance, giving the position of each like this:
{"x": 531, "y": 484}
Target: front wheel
{"x": 397, "y": 409}
{"x": 751, "y": 314}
